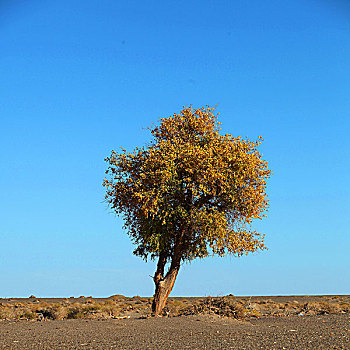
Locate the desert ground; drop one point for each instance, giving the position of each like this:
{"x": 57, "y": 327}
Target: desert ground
{"x": 118, "y": 322}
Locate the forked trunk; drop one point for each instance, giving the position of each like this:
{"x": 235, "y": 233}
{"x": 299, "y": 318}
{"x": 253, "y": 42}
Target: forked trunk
{"x": 163, "y": 288}
{"x": 164, "y": 285}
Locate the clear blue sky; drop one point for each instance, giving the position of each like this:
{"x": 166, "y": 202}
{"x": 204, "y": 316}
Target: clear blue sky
{"x": 80, "y": 78}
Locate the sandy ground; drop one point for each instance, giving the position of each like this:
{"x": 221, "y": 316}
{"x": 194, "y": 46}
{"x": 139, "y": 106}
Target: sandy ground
{"x": 185, "y": 332}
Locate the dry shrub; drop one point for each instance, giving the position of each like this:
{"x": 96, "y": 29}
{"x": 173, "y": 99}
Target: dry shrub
{"x": 28, "y": 315}
{"x": 117, "y": 297}
{"x": 174, "y": 307}
{"x": 8, "y": 313}
{"x": 222, "y": 306}
{"x": 345, "y": 307}
{"x": 253, "y": 313}
{"x": 110, "y": 308}
{"x": 59, "y": 312}
{"x": 103, "y": 310}
{"x": 17, "y": 311}
{"x": 322, "y": 308}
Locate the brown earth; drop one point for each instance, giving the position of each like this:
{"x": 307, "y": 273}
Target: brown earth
{"x": 185, "y": 332}
{"x": 267, "y": 323}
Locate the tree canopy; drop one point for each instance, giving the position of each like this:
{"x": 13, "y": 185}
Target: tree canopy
{"x": 191, "y": 192}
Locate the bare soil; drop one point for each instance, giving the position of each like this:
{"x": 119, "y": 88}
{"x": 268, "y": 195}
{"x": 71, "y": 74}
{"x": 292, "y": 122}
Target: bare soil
{"x": 186, "y": 332}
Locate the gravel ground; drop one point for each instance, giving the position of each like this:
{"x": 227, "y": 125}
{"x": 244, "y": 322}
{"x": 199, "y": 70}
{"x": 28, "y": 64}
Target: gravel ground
{"x": 186, "y": 332}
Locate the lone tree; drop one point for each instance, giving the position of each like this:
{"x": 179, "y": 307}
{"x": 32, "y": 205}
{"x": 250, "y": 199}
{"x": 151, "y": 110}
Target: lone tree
{"x": 191, "y": 192}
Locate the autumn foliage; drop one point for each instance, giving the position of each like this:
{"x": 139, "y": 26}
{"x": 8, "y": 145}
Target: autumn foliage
{"x": 190, "y": 193}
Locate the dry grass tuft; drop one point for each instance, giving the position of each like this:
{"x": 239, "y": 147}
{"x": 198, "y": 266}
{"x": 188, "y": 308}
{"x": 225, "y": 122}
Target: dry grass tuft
{"x": 267, "y": 308}
{"x": 60, "y": 311}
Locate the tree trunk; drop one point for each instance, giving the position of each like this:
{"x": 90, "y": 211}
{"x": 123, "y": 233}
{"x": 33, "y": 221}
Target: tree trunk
{"x": 164, "y": 285}
{"x": 163, "y": 288}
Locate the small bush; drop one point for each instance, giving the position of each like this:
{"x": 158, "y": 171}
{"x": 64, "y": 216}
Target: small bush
{"x": 29, "y": 315}
{"x": 221, "y": 306}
